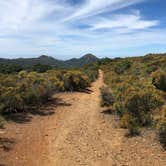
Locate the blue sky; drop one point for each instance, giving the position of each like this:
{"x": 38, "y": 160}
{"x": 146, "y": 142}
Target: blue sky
{"x": 71, "y": 28}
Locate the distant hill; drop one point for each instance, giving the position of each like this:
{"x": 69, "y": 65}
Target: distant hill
{"x": 86, "y": 59}
{"x": 47, "y": 60}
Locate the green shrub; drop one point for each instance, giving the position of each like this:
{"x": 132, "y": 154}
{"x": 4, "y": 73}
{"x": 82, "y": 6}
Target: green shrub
{"x": 27, "y": 90}
{"x": 122, "y": 66}
{"x": 136, "y": 98}
{"x": 130, "y": 122}
{"x": 162, "y": 133}
{"x": 141, "y": 104}
{"x": 40, "y": 68}
{"x": 10, "y": 68}
{"x": 91, "y": 71}
{"x": 124, "y": 121}
{"x": 107, "y": 98}
{"x": 118, "y": 106}
{"x": 2, "y": 121}
{"x": 104, "y": 61}
{"x": 121, "y": 92}
{"x": 1, "y": 111}
{"x": 133, "y": 127}
{"x": 11, "y": 99}
{"x": 159, "y": 80}
{"x": 149, "y": 69}
{"x": 55, "y": 83}
{"x": 31, "y": 97}
{"x": 75, "y": 80}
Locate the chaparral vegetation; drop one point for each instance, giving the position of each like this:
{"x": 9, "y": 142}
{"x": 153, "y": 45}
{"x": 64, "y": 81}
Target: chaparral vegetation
{"x": 138, "y": 87}
{"x": 25, "y": 90}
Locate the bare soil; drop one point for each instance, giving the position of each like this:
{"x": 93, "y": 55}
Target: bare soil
{"x": 73, "y": 130}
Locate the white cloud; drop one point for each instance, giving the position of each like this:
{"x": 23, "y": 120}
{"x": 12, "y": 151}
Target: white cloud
{"x": 37, "y": 16}
{"x": 93, "y": 7}
{"x": 125, "y": 22}
{"x": 20, "y": 14}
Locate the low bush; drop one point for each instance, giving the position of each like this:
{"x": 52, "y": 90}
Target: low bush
{"x": 121, "y": 92}
{"x": 91, "y": 71}
{"x": 141, "y": 104}
{"x": 129, "y": 122}
{"x": 26, "y": 90}
{"x": 11, "y": 100}
{"x": 31, "y": 97}
{"x": 2, "y": 122}
{"x": 106, "y": 96}
{"x": 75, "y": 80}
{"x": 162, "y": 133}
{"x": 159, "y": 80}
{"x": 122, "y": 66}
{"x": 124, "y": 121}
{"x": 133, "y": 127}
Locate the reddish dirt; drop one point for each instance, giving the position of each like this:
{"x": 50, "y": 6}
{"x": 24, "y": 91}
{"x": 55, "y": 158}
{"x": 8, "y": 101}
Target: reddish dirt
{"x": 74, "y": 131}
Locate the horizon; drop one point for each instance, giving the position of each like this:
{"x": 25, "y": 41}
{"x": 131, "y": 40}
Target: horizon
{"x": 70, "y": 28}
{"x": 78, "y": 57}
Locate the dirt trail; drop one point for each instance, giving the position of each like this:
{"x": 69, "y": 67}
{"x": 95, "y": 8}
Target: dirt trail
{"x": 79, "y": 134}
{"x": 85, "y": 136}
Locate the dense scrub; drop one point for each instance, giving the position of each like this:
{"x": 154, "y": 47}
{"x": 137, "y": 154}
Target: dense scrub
{"x": 10, "y": 68}
{"x": 26, "y": 90}
{"x": 138, "y": 86}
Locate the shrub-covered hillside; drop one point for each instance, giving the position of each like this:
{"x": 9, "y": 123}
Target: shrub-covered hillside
{"x": 44, "y": 63}
{"x": 139, "y": 89}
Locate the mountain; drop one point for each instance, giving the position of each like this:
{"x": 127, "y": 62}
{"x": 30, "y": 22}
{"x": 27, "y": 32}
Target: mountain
{"x": 47, "y": 60}
{"x": 86, "y": 59}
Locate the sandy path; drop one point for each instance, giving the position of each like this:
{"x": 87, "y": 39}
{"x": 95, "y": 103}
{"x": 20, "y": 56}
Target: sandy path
{"x": 77, "y": 139}
{"x": 79, "y": 134}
